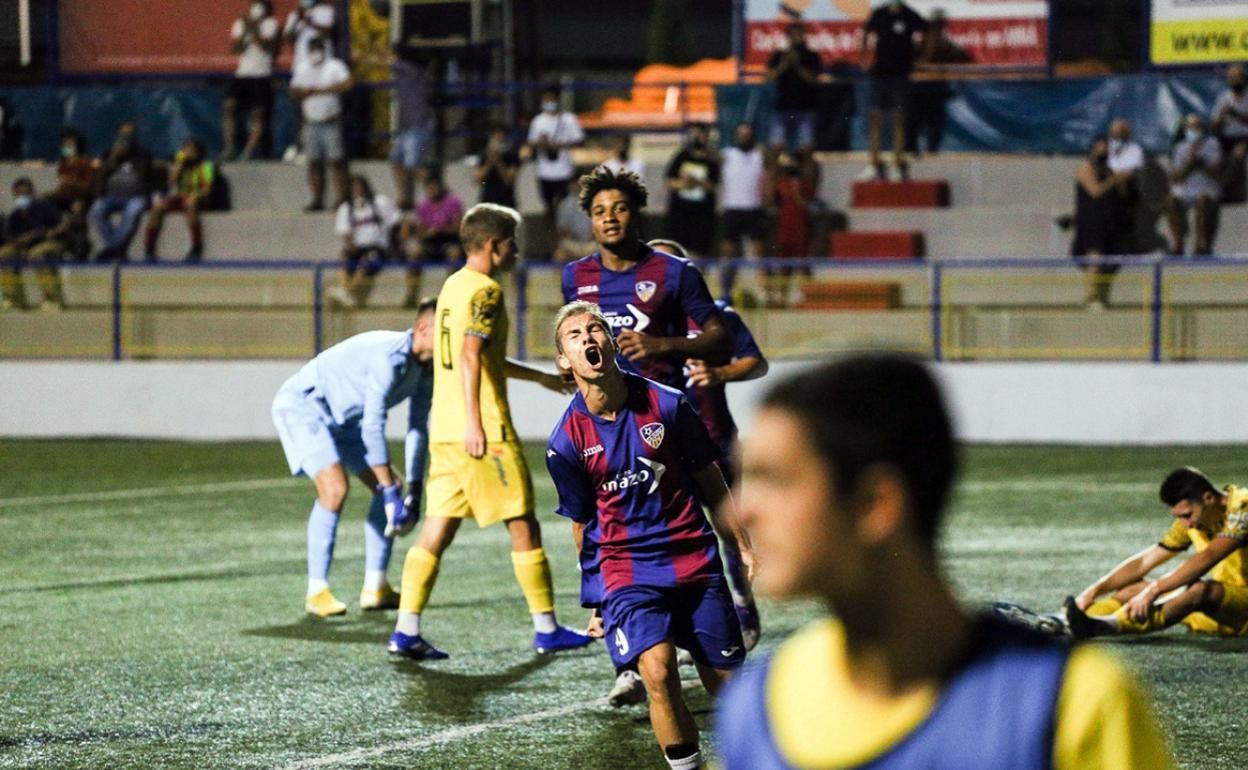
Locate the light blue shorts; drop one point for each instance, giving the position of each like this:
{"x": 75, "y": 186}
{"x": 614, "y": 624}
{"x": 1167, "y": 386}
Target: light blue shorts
{"x": 310, "y": 439}
{"x": 323, "y": 141}
{"x": 407, "y": 148}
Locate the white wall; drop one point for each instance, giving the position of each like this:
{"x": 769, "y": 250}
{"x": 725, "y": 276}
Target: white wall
{"x": 1001, "y": 402}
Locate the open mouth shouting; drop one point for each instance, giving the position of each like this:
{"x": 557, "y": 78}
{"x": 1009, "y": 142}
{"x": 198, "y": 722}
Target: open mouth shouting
{"x": 594, "y": 357}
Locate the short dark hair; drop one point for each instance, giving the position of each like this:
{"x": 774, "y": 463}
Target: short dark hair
{"x": 23, "y": 181}
{"x": 870, "y": 409}
{"x": 75, "y": 136}
{"x": 1186, "y": 483}
{"x": 603, "y": 178}
{"x": 485, "y": 221}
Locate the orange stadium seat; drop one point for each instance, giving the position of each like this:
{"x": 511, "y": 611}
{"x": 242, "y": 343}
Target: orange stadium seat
{"x": 657, "y": 102}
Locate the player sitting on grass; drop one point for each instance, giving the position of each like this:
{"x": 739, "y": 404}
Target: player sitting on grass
{"x": 632, "y": 464}
{"x": 331, "y": 417}
{"x": 844, "y": 482}
{"x": 1216, "y": 521}
{"x": 476, "y": 465}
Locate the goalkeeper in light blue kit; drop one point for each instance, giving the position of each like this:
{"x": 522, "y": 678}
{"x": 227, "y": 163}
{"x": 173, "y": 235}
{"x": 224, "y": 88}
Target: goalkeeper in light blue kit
{"x": 331, "y": 417}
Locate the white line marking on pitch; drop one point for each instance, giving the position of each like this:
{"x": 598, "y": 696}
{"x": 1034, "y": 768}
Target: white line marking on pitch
{"x": 170, "y": 491}
{"x": 458, "y": 733}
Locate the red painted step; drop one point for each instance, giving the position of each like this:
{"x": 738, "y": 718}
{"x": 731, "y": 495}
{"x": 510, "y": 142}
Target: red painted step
{"x": 897, "y": 244}
{"x": 850, "y": 295}
{"x": 914, "y": 194}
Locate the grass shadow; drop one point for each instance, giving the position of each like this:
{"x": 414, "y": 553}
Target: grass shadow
{"x": 95, "y": 736}
{"x": 460, "y": 696}
{"x": 361, "y": 628}
{"x": 1202, "y": 642}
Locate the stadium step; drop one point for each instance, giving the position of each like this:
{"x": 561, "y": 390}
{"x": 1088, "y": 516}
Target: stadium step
{"x": 885, "y": 245}
{"x": 916, "y": 193}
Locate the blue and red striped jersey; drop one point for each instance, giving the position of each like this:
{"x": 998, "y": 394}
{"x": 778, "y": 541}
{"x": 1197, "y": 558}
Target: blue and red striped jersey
{"x": 658, "y": 296}
{"x": 630, "y": 482}
{"x": 712, "y": 403}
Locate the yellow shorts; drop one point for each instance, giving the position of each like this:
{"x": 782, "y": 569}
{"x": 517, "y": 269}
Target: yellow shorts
{"x": 495, "y": 488}
{"x": 1231, "y": 619}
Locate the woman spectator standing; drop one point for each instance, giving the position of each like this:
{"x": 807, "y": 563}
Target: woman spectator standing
{"x": 792, "y": 192}
{"x": 1099, "y": 210}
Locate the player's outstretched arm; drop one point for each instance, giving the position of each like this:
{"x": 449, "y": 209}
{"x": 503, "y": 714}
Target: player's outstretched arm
{"x": 519, "y": 370}
{"x": 713, "y": 342}
{"x": 1184, "y": 575}
{"x": 1127, "y": 572}
{"x": 722, "y": 514}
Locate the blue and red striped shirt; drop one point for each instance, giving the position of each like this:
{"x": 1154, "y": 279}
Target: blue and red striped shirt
{"x": 711, "y": 403}
{"x": 658, "y": 295}
{"x": 630, "y": 482}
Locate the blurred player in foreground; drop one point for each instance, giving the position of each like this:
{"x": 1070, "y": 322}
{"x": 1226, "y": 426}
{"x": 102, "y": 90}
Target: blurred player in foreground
{"x": 632, "y": 465}
{"x": 844, "y": 480}
{"x": 1216, "y": 522}
{"x": 331, "y": 417}
{"x": 476, "y": 465}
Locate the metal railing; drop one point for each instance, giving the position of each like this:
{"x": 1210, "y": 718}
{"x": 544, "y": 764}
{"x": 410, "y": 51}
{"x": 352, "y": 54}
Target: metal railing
{"x": 953, "y": 309}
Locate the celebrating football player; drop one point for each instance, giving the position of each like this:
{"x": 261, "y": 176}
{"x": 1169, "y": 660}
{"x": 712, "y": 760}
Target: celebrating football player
{"x": 632, "y": 464}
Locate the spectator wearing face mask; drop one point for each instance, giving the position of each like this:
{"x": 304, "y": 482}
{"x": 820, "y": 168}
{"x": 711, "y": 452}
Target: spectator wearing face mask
{"x": 693, "y": 181}
{"x": 364, "y": 223}
{"x": 1098, "y": 222}
{"x": 1195, "y": 167}
{"x": 318, "y": 86}
{"x": 38, "y": 232}
{"x": 1126, "y": 159}
{"x": 552, "y": 134}
{"x": 123, "y": 191}
{"x": 255, "y": 38}
{"x": 190, "y": 180}
{"x": 1230, "y": 124}
{"x": 75, "y": 171}
{"x": 311, "y": 19}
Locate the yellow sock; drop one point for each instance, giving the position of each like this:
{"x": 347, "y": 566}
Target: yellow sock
{"x": 420, "y": 570}
{"x": 533, "y": 575}
{"x": 1154, "y": 622}
{"x": 1102, "y": 607}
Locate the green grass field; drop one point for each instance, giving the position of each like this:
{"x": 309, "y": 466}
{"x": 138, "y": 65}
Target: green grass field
{"x": 151, "y": 616}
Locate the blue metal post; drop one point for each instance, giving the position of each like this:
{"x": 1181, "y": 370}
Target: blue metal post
{"x": 318, "y": 315}
{"x": 116, "y": 312}
{"x": 938, "y": 353}
{"x": 522, "y": 312}
{"x": 1157, "y": 310}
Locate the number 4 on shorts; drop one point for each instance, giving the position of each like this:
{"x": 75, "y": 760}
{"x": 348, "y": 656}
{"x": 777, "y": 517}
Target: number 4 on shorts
{"x": 621, "y": 641}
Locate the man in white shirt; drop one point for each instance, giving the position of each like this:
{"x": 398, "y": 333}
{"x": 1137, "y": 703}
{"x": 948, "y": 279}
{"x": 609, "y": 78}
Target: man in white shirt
{"x": 254, "y": 37}
{"x": 1195, "y": 165}
{"x": 552, "y": 134}
{"x": 1126, "y": 159}
{"x": 741, "y": 184}
{"x": 1230, "y": 124}
{"x": 310, "y": 19}
{"x": 318, "y": 87}
{"x": 364, "y": 223}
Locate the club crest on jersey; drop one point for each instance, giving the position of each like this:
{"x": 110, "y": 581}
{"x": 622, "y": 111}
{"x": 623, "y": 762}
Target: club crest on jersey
{"x": 645, "y": 290}
{"x": 652, "y": 434}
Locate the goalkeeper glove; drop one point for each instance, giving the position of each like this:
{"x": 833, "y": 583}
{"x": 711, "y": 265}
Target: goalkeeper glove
{"x": 398, "y": 520}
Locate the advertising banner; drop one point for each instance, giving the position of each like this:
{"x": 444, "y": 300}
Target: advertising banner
{"x": 153, "y": 36}
{"x": 996, "y": 33}
{"x": 1198, "y": 31}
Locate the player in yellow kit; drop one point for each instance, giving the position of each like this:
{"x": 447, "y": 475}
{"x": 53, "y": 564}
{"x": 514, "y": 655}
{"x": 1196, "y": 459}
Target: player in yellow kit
{"x": 476, "y": 467}
{"x": 1216, "y": 522}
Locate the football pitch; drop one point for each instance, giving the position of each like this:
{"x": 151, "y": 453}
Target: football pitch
{"x": 151, "y": 615}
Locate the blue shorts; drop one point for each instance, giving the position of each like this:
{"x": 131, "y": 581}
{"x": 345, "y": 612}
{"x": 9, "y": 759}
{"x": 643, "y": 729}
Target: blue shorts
{"x": 310, "y": 439}
{"x": 698, "y": 618}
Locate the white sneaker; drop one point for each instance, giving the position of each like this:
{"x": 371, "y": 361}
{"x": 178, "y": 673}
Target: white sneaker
{"x": 291, "y": 153}
{"x": 627, "y": 690}
{"x": 869, "y": 174}
{"x": 340, "y": 297}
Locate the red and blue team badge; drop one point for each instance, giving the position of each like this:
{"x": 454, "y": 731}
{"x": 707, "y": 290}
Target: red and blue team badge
{"x": 645, "y": 290}
{"x": 652, "y": 434}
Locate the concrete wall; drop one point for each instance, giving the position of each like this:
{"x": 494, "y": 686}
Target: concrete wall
{"x": 1006, "y": 402}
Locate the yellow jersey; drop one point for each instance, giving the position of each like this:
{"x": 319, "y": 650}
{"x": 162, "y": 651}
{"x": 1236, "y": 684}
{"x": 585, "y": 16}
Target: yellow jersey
{"x": 470, "y": 304}
{"x": 1232, "y": 570}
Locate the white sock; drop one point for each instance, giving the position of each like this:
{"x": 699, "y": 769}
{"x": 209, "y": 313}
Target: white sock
{"x": 691, "y": 762}
{"x": 374, "y": 579}
{"x": 316, "y": 585}
{"x": 544, "y": 622}
{"x": 408, "y": 623}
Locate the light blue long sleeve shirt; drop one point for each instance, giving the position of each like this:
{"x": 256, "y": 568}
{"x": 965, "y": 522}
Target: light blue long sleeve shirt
{"x": 360, "y": 378}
